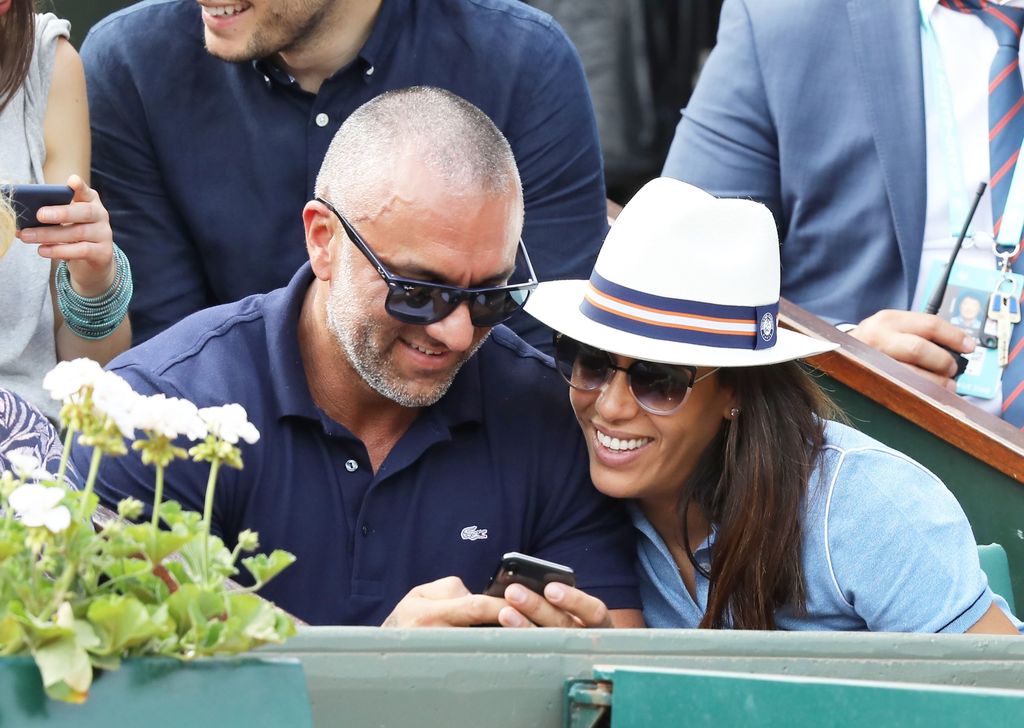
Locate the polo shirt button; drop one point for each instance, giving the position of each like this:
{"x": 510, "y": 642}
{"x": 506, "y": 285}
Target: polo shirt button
{"x": 351, "y": 466}
{"x": 369, "y": 71}
{"x": 366, "y": 531}
{"x": 322, "y": 119}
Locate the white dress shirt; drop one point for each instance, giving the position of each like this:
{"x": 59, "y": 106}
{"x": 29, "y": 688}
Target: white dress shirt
{"x": 967, "y": 47}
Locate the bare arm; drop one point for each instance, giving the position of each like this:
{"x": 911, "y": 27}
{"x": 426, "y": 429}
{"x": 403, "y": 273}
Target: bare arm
{"x": 87, "y": 244}
{"x": 993, "y": 622}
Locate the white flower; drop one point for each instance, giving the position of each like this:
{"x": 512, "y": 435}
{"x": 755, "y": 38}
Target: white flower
{"x": 69, "y": 377}
{"x": 229, "y": 422}
{"x": 115, "y": 398}
{"x": 169, "y": 417}
{"x": 26, "y": 465}
{"x": 37, "y": 505}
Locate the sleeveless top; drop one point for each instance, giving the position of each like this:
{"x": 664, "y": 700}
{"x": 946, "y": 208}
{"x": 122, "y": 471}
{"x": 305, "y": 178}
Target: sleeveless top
{"x": 27, "y": 349}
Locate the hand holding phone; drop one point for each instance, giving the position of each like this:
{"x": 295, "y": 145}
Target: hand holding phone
{"x": 80, "y": 233}
{"x": 531, "y": 572}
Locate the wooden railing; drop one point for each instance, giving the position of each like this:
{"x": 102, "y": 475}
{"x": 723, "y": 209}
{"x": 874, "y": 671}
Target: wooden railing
{"x": 902, "y": 391}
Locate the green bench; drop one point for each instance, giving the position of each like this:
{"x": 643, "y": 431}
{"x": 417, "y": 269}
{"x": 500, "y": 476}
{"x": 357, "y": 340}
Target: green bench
{"x": 635, "y": 697}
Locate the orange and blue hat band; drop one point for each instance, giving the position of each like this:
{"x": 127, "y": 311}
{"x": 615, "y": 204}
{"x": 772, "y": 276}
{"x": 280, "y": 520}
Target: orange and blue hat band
{"x": 674, "y": 319}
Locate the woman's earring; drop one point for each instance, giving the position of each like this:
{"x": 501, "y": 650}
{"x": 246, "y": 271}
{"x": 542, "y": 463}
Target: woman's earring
{"x": 734, "y": 412}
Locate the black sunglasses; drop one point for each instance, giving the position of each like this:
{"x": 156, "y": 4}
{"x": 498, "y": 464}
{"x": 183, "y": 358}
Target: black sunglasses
{"x": 659, "y": 389}
{"x": 421, "y": 303}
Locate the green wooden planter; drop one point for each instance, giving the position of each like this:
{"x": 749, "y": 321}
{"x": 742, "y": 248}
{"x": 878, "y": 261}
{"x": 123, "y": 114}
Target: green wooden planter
{"x": 160, "y": 692}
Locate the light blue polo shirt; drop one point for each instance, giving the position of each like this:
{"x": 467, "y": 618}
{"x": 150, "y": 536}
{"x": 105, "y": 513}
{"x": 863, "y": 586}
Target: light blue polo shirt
{"x": 886, "y": 548}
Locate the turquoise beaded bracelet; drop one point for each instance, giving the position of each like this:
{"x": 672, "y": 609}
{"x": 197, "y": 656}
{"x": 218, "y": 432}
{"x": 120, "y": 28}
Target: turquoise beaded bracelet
{"x": 95, "y": 317}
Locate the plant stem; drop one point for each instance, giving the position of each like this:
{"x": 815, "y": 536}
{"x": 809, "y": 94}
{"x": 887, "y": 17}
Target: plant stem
{"x": 211, "y": 484}
{"x": 64, "y": 456}
{"x": 90, "y": 483}
{"x": 158, "y": 495}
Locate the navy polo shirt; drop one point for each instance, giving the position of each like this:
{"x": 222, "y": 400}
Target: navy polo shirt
{"x": 498, "y": 464}
{"x": 205, "y": 165}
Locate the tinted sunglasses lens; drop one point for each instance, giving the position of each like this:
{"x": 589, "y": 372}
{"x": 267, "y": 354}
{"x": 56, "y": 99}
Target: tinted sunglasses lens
{"x": 659, "y": 387}
{"x": 582, "y": 366}
{"x": 493, "y": 307}
{"x": 419, "y": 304}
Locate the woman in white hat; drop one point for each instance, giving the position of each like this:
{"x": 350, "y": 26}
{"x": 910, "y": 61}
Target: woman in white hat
{"x": 753, "y": 509}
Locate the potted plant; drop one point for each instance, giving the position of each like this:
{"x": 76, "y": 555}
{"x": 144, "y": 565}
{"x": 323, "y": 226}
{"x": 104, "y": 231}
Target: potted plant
{"x": 80, "y": 594}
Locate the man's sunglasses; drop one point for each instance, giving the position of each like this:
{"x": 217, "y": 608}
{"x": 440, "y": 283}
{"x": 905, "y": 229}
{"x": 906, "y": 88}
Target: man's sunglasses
{"x": 421, "y": 303}
{"x": 659, "y": 389}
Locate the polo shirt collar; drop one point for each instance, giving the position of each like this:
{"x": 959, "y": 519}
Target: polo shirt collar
{"x": 281, "y": 310}
{"x": 463, "y": 403}
{"x": 382, "y": 37}
{"x": 645, "y": 527}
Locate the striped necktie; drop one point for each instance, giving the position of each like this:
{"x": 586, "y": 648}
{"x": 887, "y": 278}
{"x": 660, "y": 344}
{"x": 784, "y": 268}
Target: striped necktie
{"x": 1005, "y": 136}
{"x": 1005, "y": 96}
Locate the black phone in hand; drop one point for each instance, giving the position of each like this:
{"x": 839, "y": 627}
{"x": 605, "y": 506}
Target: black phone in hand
{"x": 531, "y": 572}
{"x": 27, "y": 199}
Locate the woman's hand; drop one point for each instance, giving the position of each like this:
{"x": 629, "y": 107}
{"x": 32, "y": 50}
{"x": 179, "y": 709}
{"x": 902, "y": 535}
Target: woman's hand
{"x": 80, "y": 234}
{"x": 560, "y": 606}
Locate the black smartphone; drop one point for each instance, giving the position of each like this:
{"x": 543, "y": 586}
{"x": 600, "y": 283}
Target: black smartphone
{"x": 27, "y": 199}
{"x": 533, "y": 573}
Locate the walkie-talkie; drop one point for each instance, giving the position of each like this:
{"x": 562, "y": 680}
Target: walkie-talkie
{"x": 940, "y": 290}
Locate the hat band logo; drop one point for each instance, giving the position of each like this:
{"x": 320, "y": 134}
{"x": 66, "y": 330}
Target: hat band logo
{"x": 674, "y": 319}
{"x": 767, "y": 326}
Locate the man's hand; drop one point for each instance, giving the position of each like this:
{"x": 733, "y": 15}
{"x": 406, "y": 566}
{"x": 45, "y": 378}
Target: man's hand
{"x": 444, "y": 603}
{"x": 914, "y": 339}
{"x": 561, "y": 606}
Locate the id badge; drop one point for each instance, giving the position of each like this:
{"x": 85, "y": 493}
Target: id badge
{"x": 965, "y": 305}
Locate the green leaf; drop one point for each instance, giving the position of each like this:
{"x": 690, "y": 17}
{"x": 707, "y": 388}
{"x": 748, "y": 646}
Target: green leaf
{"x": 42, "y": 630}
{"x": 172, "y": 515}
{"x": 65, "y": 668}
{"x": 12, "y": 636}
{"x": 264, "y": 568}
{"x": 192, "y": 605}
{"x": 142, "y": 537}
{"x": 122, "y": 568}
{"x": 121, "y": 623}
{"x": 221, "y": 560}
{"x": 11, "y": 544}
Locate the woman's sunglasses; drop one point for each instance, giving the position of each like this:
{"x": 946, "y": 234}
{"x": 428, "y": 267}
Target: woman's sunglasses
{"x": 659, "y": 389}
{"x": 421, "y": 303}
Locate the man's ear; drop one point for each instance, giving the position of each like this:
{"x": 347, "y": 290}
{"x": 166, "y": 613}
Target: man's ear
{"x": 316, "y": 219}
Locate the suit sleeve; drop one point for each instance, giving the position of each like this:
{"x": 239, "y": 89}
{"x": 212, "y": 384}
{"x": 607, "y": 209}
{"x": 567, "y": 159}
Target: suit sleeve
{"x": 126, "y": 169}
{"x": 726, "y": 142}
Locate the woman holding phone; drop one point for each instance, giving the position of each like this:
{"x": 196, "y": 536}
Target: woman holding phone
{"x": 64, "y": 289}
{"x": 753, "y": 508}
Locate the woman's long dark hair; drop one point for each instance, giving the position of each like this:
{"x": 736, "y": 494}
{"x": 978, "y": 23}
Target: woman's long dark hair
{"x": 17, "y": 43}
{"x": 751, "y": 483}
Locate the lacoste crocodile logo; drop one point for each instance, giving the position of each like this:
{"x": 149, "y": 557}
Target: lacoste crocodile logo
{"x": 472, "y": 533}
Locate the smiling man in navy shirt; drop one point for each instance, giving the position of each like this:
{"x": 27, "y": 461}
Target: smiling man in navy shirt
{"x": 400, "y": 443}
{"x": 206, "y": 156}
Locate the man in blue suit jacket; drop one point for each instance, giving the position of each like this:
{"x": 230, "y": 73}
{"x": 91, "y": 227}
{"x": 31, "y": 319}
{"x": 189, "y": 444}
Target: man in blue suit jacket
{"x": 816, "y": 108}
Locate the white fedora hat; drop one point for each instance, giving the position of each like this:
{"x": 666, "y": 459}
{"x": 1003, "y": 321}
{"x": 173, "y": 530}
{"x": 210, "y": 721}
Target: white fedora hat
{"x": 682, "y": 278}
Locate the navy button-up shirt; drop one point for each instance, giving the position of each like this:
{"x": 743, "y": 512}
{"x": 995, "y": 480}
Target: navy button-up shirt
{"x": 205, "y": 165}
{"x": 498, "y": 464}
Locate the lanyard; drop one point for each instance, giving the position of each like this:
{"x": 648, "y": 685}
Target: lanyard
{"x": 939, "y": 90}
